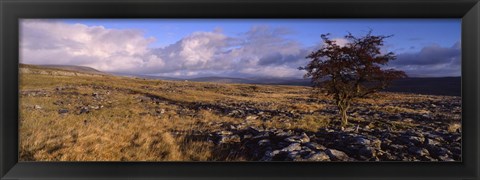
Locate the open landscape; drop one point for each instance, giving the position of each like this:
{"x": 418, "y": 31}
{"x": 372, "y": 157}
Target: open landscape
{"x": 81, "y": 114}
{"x": 228, "y": 90}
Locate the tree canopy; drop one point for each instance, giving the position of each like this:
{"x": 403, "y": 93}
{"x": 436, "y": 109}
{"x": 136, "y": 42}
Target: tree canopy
{"x": 353, "y": 70}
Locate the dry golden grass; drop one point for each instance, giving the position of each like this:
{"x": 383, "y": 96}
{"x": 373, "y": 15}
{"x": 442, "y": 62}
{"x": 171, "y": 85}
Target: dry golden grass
{"x": 135, "y": 119}
{"x": 117, "y": 132}
{"x": 454, "y": 127}
{"x": 395, "y": 110}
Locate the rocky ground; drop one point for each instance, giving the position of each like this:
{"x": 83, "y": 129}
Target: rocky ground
{"x": 351, "y": 144}
{"x": 424, "y": 141}
{"x": 65, "y": 115}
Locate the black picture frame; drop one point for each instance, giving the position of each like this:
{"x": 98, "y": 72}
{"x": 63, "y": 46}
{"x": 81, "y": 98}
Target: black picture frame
{"x": 11, "y": 11}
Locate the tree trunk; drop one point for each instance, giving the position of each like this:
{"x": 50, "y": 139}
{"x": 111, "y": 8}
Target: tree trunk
{"x": 343, "y": 112}
{"x": 343, "y": 106}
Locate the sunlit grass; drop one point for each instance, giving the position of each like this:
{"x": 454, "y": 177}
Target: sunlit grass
{"x": 124, "y": 124}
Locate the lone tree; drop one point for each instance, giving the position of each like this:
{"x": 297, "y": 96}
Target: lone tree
{"x": 350, "y": 71}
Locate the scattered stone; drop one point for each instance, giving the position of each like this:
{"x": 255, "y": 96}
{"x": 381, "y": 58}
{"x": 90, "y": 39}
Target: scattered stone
{"x": 397, "y": 147}
{"x": 411, "y": 139}
{"x": 283, "y": 133}
{"x": 143, "y": 99}
{"x": 255, "y": 130}
{"x": 58, "y": 102}
{"x": 456, "y": 150}
{"x": 367, "y": 152}
{"x": 251, "y": 118}
{"x": 361, "y": 141}
{"x": 269, "y": 155}
{"x": 337, "y": 155}
{"x": 35, "y": 93}
{"x": 395, "y": 117}
{"x": 427, "y": 116}
{"x": 315, "y": 146}
{"x": 264, "y": 142}
{"x": 261, "y": 135}
{"x": 418, "y": 151}
{"x": 37, "y": 107}
{"x": 292, "y": 147}
{"x": 84, "y": 110}
{"x": 436, "y": 151}
{"x": 298, "y": 139}
{"x": 224, "y": 133}
{"x": 320, "y": 156}
{"x": 237, "y": 113}
{"x": 247, "y": 136}
{"x": 94, "y": 107}
{"x": 294, "y": 156}
{"x": 229, "y": 139}
{"x": 431, "y": 142}
{"x": 161, "y": 111}
{"x": 62, "y": 111}
{"x": 408, "y": 120}
{"x": 445, "y": 158}
{"x": 387, "y": 156}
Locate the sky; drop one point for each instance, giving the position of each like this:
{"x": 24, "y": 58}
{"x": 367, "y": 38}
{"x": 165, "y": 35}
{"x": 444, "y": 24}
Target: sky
{"x": 231, "y": 47}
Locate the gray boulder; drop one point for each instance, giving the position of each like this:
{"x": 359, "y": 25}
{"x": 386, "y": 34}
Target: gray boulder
{"x": 337, "y": 155}
{"x": 418, "y": 151}
{"x": 303, "y": 138}
{"x": 320, "y": 156}
{"x": 292, "y": 147}
{"x": 62, "y": 111}
{"x": 229, "y": 139}
{"x": 315, "y": 146}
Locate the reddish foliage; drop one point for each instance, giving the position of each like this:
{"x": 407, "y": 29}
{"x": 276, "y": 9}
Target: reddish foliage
{"x": 351, "y": 71}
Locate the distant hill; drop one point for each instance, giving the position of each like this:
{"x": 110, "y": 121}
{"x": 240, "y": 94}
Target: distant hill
{"x": 223, "y": 80}
{"x": 82, "y": 69}
{"x": 447, "y": 86}
{"x": 257, "y": 80}
{"x": 60, "y": 70}
{"x": 147, "y": 76}
{"x": 232, "y": 80}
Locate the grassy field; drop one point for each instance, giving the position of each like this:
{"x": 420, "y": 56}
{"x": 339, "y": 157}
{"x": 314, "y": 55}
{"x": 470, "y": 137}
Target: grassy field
{"x": 65, "y": 117}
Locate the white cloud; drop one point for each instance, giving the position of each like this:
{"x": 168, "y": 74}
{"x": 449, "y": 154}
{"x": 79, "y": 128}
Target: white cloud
{"x": 432, "y": 60}
{"x": 341, "y": 41}
{"x": 282, "y": 71}
{"x": 197, "y": 51}
{"x": 261, "y": 51}
{"x": 54, "y": 42}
